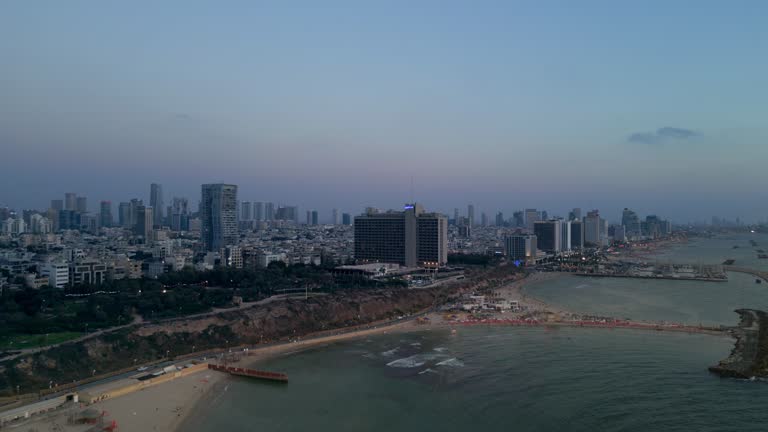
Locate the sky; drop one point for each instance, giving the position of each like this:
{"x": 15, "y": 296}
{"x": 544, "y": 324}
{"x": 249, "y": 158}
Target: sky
{"x": 659, "y": 106}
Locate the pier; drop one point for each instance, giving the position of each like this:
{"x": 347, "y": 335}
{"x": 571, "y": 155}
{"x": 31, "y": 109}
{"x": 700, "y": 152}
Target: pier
{"x": 251, "y": 373}
{"x": 757, "y": 273}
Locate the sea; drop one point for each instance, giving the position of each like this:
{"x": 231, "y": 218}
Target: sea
{"x": 528, "y": 379}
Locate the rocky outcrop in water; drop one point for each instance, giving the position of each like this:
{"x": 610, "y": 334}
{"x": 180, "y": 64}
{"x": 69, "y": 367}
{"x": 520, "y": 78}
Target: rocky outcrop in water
{"x": 749, "y": 357}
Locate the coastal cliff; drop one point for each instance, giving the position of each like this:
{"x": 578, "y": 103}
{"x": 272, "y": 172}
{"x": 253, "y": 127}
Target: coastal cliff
{"x": 749, "y": 357}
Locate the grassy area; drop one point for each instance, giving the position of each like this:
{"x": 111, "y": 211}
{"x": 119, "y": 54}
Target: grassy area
{"x": 22, "y": 341}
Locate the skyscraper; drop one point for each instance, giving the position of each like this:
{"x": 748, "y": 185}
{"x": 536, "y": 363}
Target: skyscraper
{"x": 245, "y": 210}
{"x": 180, "y": 214}
{"x": 57, "y": 204}
{"x": 575, "y": 214}
{"x": 577, "y": 235}
{"x": 521, "y": 247}
{"x": 269, "y": 211}
{"x": 144, "y": 222}
{"x": 70, "y": 201}
{"x": 483, "y": 219}
{"x": 314, "y": 217}
{"x": 455, "y": 216}
{"x": 499, "y": 219}
{"x": 471, "y": 214}
{"x": 105, "y": 214}
{"x": 565, "y": 235}
{"x": 410, "y": 237}
{"x": 531, "y": 216}
{"x": 548, "y": 235}
{"x": 156, "y": 202}
{"x": 335, "y": 217}
{"x": 81, "y": 204}
{"x": 218, "y": 212}
{"x": 124, "y": 214}
{"x": 346, "y": 219}
{"x": 518, "y": 219}
{"x": 631, "y": 223}
{"x": 258, "y": 211}
{"x": 592, "y": 229}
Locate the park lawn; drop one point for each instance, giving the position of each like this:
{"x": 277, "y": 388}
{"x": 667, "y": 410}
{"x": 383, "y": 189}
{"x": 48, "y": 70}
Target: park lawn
{"x": 22, "y": 341}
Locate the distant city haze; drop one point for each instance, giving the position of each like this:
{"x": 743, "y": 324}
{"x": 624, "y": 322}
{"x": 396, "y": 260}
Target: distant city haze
{"x": 658, "y": 106}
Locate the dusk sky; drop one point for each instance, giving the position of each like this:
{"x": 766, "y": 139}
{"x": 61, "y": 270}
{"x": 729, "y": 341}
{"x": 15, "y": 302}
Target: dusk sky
{"x": 659, "y": 106}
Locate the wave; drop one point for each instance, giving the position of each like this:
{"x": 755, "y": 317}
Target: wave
{"x": 428, "y": 370}
{"x": 453, "y": 362}
{"x": 416, "y": 344}
{"x": 440, "y": 349}
{"x": 391, "y": 352}
{"x": 407, "y": 362}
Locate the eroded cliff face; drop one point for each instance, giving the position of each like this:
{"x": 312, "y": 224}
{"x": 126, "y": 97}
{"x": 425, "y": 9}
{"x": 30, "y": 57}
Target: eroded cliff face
{"x": 261, "y": 324}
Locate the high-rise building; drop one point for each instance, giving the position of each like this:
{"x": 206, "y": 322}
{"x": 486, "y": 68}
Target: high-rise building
{"x": 135, "y": 203}
{"x": 531, "y": 216}
{"x": 57, "y": 204}
{"x": 518, "y": 219}
{"x": 548, "y": 235}
{"x": 483, "y": 219}
{"x": 258, "y": 211}
{"x": 335, "y": 217}
{"x": 521, "y": 247}
{"x": 499, "y": 219}
{"x": 269, "y": 211}
{"x": 565, "y": 235}
{"x": 179, "y": 214}
{"x": 156, "y": 202}
{"x": 70, "y": 201}
{"x": 245, "y": 210}
{"x": 346, "y": 219}
{"x": 577, "y": 235}
{"x": 81, "y": 204}
{"x": 592, "y": 229}
{"x": 575, "y": 214}
{"x": 124, "y": 214}
{"x": 218, "y": 211}
{"x": 287, "y": 213}
{"x": 105, "y": 214}
{"x": 68, "y": 219}
{"x": 144, "y": 222}
{"x": 314, "y": 217}
{"x": 471, "y": 214}
{"x": 631, "y": 223}
{"x": 309, "y": 217}
{"x": 410, "y": 237}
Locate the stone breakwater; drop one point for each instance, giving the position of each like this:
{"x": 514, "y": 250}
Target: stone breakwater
{"x": 749, "y": 357}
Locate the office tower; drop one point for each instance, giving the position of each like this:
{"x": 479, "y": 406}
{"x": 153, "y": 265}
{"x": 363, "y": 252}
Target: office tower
{"x": 483, "y": 219}
{"x": 548, "y": 235}
{"x": 531, "y": 216}
{"x": 335, "y": 217}
{"x": 287, "y": 213}
{"x": 81, "y": 204}
{"x": 346, "y": 219}
{"x": 575, "y": 214}
{"x": 105, "y": 214}
{"x": 180, "y": 214}
{"x": 134, "y": 211}
{"x": 258, "y": 211}
{"x": 410, "y": 237}
{"x": 68, "y": 219}
{"x": 314, "y": 217}
{"x": 499, "y": 219}
{"x": 57, "y": 204}
{"x": 565, "y": 235}
{"x": 218, "y": 211}
{"x": 124, "y": 214}
{"x": 471, "y": 214}
{"x": 592, "y": 229}
{"x": 521, "y": 247}
{"x": 269, "y": 211}
{"x": 309, "y": 217}
{"x": 144, "y": 222}
{"x": 455, "y": 216}
{"x": 245, "y": 210}
{"x": 577, "y": 235}
{"x": 156, "y": 202}
{"x": 70, "y": 201}
{"x": 631, "y": 223}
{"x": 518, "y": 219}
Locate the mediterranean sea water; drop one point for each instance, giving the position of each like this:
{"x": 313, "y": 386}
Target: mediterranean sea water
{"x": 526, "y": 379}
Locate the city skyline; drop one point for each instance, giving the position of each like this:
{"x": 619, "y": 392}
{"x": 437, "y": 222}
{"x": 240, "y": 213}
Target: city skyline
{"x": 530, "y": 104}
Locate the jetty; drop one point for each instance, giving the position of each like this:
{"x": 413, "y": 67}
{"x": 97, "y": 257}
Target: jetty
{"x": 749, "y": 357}
{"x": 250, "y": 373}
